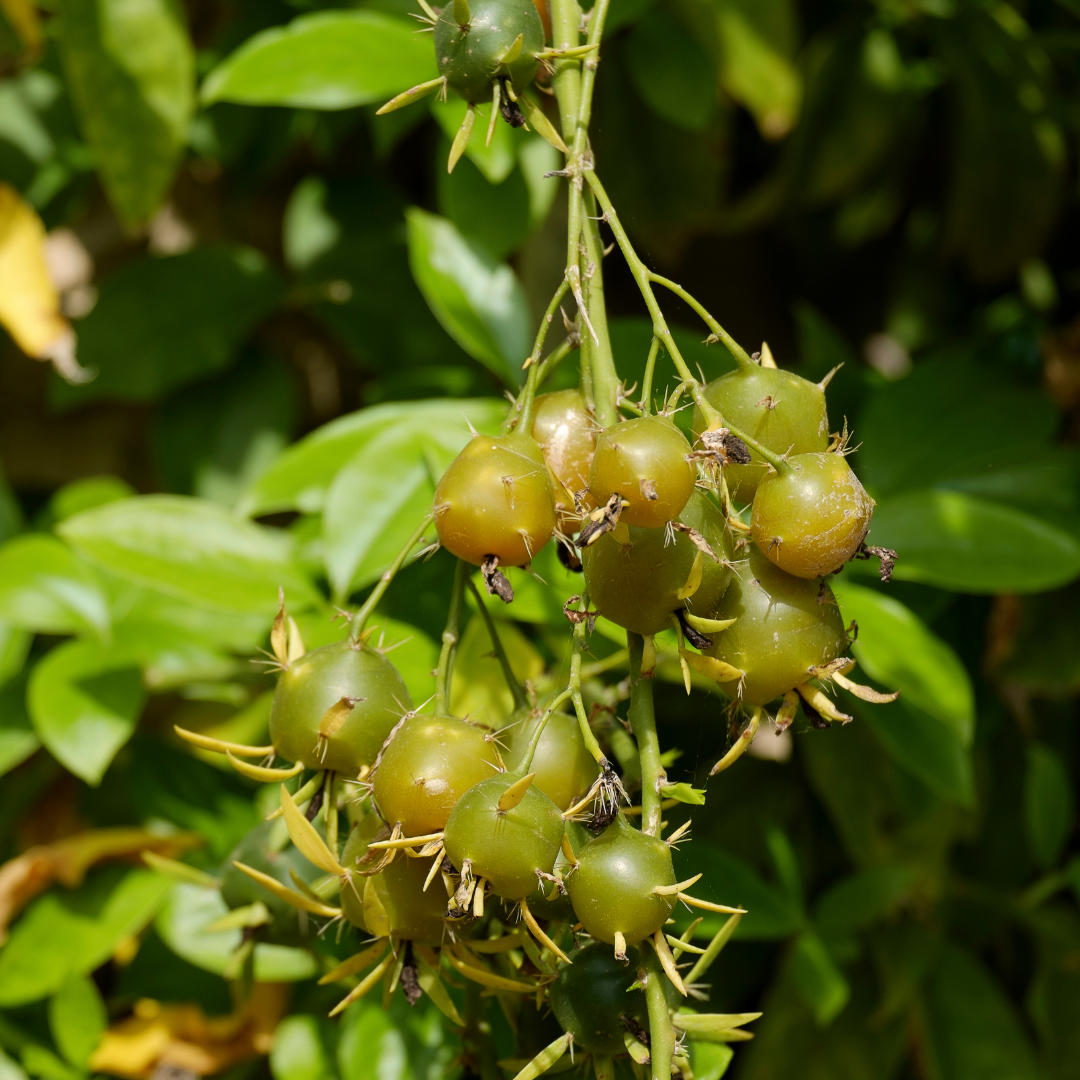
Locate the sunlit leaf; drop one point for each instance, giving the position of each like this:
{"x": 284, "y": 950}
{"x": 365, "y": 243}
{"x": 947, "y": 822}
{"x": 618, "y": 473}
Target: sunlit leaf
{"x": 77, "y": 1019}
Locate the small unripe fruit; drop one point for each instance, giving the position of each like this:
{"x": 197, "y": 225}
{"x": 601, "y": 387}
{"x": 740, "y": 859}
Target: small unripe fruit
{"x": 567, "y": 435}
{"x": 612, "y": 889}
{"x": 469, "y": 56}
{"x": 319, "y": 680}
{"x": 644, "y": 462}
{"x": 592, "y": 994}
{"x": 564, "y": 768}
{"x": 783, "y": 626}
{"x": 506, "y": 846}
{"x": 779, "y": 409}
{"x": 427, "y": 766}
{"x": 811, "y": 517}
{"x": 496, "y": 498}
{"x": 637, "y": 585}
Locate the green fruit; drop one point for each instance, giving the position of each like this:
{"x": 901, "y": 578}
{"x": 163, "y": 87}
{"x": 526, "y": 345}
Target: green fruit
{"x": 496, "y": 498}
{"x": 508, "y": 846}
{"x": 427, "y": 766}
{"x": 352, "y": 891}
{"x": 643, "y": 461}
{"x": 779, "y": 409}
{"x": 564, "y": 768}
{"x": 592, "y": 994}
{"x": 320, "y": 679}
{"x": 783, "y": 626}
{"x": 266, "y": 848}
{"x": 566, "y": 433}
{"x": 811, "y": 517}
{"x": 548, "y": 902}
{"x": 612, "y": 888}
{"x": 470, "y": 56}
{"x": 637, "y": 585}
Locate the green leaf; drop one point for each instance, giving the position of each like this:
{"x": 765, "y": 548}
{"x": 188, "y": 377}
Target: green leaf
{"x": 77, "y": 1019}
{"x": 328, "y": 60}
{"x": 496, "y": 217}
{"x": 41, "y": 1062}
{"x": 757, "y": 46}
{"x": 479, "y": 302}
{"x": 861, "y": 899}
{"x": 384, "y": 479}
{"x": 495, "y": 161}
{"x": 88, "y": 493}
{"x": 17, "y": 738}
{"x": 923, "y": 746}
{"x": 672, "y": 70}
{"x": 819, "y": 981}
{"x": 182, "y": 924}
{"x": 899, "y": 650}
{"x": 193, "y": 550}
{"x": 959, "y": 542}
{"x": 373, "y": 1047}
{"x": 44, "y": 588}
{"x": 162, "y": 323}
{"x": 684, "y": 793}
{"x": 130, "y": 69}
{"x": 301, "y": 477}
{"x": 973, "y": 1031}
{"x": 9, "y": 1070}
{"x": 299, "y": 1052}
{"x": 710, "y": 1060}
{"x": 73, "y": 932}
{"x": 1049, "y": 805}
{"x": 84, "y": 701}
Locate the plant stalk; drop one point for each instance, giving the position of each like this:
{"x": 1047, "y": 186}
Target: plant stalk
{"x": 661, "y": 1032}
{"x": 444, "y": 672}
{"x": 361, "y": 617}
{"x": 643, "y": 723}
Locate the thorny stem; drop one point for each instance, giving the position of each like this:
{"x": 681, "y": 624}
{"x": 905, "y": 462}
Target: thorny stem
{"x": 330, "y": 812}
{"x": 575, "y": 683}
{"x": 661, "y": 1032}
{"x": 741, "y": 356}
{"x": 516, "y": 691}
{"x": 534, "y": 740}
{"x": 444, "y": 671}
{"x": 362, "y": 616}
{"x": 477, "y": 1035}
{"x": 650, "y": 368}
{"x": 643, "y": 722}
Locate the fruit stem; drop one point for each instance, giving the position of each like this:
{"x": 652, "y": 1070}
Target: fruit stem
{"x": 650, "y": 368}
{"x": 580, "y": 630}
{"x": 643, "y": 723}
{"x": 444, "y": 672}
{"x": 376, "y": 594}
{"x": 740, "y": 355}
{"x": 330, "y": 812}
{"x": 534, "y": 741}
{"x": 516, "y": 691}
{"x": 661, "y": 1032}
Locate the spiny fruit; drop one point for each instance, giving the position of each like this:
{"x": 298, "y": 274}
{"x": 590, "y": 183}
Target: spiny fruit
{"x": 302, "y": 727}
{"x": 428, "y": 764}
{"x": 811, "y": 516}
{"x": 613, "y": 887}
{"x": 508, "y": 830}
{"x": 496, "y": 499}
{"x": 592, "y": 995}
{"x": 567, "y": 435}
{"x": 783, "y": 626}
{"x": 477, "y": 41}
{"x": 563, "y": 766}
{"x": 640, "y": 584}
{"x": 779, "y": 409}
{"x": 644, "y": 461}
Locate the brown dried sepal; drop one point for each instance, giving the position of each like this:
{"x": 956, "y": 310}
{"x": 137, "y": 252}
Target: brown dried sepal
{"x": 698, "y": 640}
{"x": 578, "y": 617}
{"x": 886, "y": 556}
{"x": 600, "y": 521}
{"x": 730, "y": 449}
{"x": 696, "y": 539}
{"x": 495, "y": 581}
{"x": 648, "y": 490}
{"x": 410, "y": 977}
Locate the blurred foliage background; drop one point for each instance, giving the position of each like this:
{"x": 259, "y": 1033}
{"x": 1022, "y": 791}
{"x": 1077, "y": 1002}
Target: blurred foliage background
{"x": 281, "y": 301}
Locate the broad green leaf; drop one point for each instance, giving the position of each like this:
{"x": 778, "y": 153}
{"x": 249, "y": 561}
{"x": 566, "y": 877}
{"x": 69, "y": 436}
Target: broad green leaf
{"x": 44, "y": 588}
{"x": 14, "y": 648}
{"x": 17, "y": 738}
{"x": 925, "y": 747}
{"x": 861, "y": 899}
{"x": 479, "y": 302}
{"x": 182, "y": 924}
{"x": 817, "y": 978}
{"x": 301, "y": 477}
{"x": 9, "y": 1070}
{"x": 1049, "y": 805}
{"x": 899, "y": 650}
{"x": 84, "y": 701}
{"x": 130, "y": 69}
{"x": 710, "y": 1060}
{"x": 672, "y": 70}
{"x": 194, "y": 550}
{"x": 757, "y": 46}
{"x": 69, "y": 932}
{"x": 163, "y": 322}
{"x": 372, "y": 1047}
{"x": 973, "y": 1030}
{"x": 959, "y": 542}
{"x": 367, "y": 495}
{"x": 496, "y": 217}
{"x": 495, "y": 161}
{"x": 77, "y": 1019}
{"x": 327, "y": 60}
{"x": 299, "y": 1052}
{"x": 39, "y": 1061}
{"x": 170, "y": 655}
{"x": 88, "y": 493}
